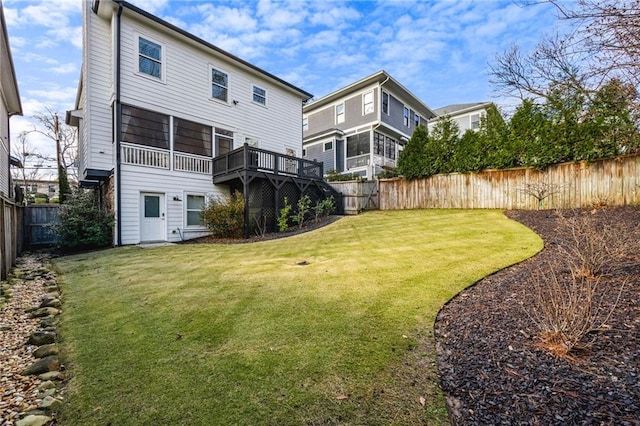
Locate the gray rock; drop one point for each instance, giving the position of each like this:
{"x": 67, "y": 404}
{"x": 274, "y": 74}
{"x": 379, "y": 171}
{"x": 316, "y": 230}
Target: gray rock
{"x": 47, "y": 322}
{"x": 48, "y": 384}
{"x": 44, "y": 312}
{"x": 48, "y": 392}
{"x": 51, "y": 303}
{"x": 46, "y": 350}
{"x": 34, "y": 420}
{"x": 51, "y": 375}
{"x": 44, "y": 365}
{"x": 40, "y": 338}
{"x": 50, "y": 403}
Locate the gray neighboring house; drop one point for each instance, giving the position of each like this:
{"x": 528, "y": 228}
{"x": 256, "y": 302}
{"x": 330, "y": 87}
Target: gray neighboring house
{"x": 362, "y": 127}
{"x": 466, "y": 116}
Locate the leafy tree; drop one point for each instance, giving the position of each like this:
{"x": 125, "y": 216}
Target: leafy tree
{"x": 81, "y": 224}
{"x": 441, "y": 146}
{"x": 529, "y": 134}
{"x": 470, "y": 155}
{"x": 494, "y": 139}
{"x": 412, "y": 161}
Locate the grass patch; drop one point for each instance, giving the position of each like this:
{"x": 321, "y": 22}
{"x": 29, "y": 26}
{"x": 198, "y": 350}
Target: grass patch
{"x": 242, "y": 334}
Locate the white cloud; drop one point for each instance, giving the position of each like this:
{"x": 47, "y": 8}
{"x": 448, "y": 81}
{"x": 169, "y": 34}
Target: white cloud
{"x": 224, "y": 18}
{"x": 68, "y": 68}
{"x": 152, "y": 6}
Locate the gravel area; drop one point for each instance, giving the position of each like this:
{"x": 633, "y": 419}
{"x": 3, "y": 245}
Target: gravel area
{"x": 27, "y": 289}
{"x": 492, "y": 368}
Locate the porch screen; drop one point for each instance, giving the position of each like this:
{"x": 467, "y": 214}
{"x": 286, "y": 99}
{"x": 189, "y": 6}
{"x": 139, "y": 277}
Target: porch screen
{"x": 358, "y": 144}
{"x": 144, "y": 127}
{"x": 190, "y": 137}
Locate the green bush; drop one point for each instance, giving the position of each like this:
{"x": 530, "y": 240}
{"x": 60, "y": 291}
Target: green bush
{"x": 335, "y": 176}
{"x": 224, "y": 216}
{"x": 304, "y": 205}
{"x": 283, "y": 217}
{"x": 81, "y": 224}
{"x": 324, "y": 208}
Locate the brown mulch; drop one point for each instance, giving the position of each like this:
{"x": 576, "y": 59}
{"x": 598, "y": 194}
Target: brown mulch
{"x": 492, "y": 368}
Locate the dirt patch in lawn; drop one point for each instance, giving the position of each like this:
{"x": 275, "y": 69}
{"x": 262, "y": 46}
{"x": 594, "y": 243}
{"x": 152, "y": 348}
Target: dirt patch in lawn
{"x": 491, "y": 366}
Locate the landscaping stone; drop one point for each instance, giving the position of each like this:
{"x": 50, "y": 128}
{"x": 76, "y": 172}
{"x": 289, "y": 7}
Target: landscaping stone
{"x": 40, "y": 338}
{"x": 51, "y": 303}
{"x": 47, "y": 322}
{"x": 44, "y": 365}
{"x": 45, "y": 312}
{"x": 51, "y": 375}
{"x": 50, "y": 403}
{"x": 34, "y": 420}
{"x": 48, "y": 384}
{"x": 46, "y": 350}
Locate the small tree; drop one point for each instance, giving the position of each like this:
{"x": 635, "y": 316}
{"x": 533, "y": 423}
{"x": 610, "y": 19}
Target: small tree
{"x": 412, "y": 162}
{"x": 81, "y": 224}
{"x": 304, "y": 205}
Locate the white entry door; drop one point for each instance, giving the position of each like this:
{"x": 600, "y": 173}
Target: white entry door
{"x": 152, "y": 224}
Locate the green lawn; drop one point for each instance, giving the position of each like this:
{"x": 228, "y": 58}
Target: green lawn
{"x": 243, "y": 334}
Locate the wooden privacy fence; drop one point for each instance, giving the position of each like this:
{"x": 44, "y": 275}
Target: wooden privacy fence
{"x": 38, "y": 219}
{"x": 612, "y": 182}
{"x": 357, "y": 195}
{"x": 10, "y": 235}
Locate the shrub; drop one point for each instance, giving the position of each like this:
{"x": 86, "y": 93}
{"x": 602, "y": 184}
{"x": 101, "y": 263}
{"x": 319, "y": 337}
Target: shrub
{"x": 81, "y": 224}
{"x": 283, "y": 217}
{"x": 335, "y": 176}
{"x": 304, "y": 205}
{"x": 324, "y": 208}
{"x": 224, "y": 216}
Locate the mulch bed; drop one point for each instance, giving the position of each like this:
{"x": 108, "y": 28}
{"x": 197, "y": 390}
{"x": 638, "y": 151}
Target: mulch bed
{"x": 492, "y": 368}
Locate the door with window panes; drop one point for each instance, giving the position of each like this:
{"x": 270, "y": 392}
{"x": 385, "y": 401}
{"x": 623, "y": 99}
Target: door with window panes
{"x": 152, "y": 223}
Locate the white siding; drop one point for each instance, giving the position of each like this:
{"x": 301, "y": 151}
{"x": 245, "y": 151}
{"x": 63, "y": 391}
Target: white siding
{"x": 98, "y": 91}
{"x": 4, "y": 148}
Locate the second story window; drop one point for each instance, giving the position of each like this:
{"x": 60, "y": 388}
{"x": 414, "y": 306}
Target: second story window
{"x": 259, "y": 95}
{"x": 406, "y": 116}
{"x": 385, "y": 103}
{"x": 144, "y": 127}
{"x": 191, "y": 137}
{"x": 219, "y": 85}
{"x": 367, "y": 103}
{"x": 475, "y": 121}
{"x": 149, "y": 57}
{"x": 340, "y": 113}
{"x": 416, "y": 120}
{"x": 328, "y": 146}
{"x": 224, "y": 141}
{"x": 305, "y": 124}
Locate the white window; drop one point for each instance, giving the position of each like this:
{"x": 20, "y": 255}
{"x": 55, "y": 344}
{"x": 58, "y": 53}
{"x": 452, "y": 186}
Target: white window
{"x": 194, "y": 206}
{"x": 259, "y": 95}
{"x": 150, "y": 60}
{"x": 340, "y": 113}
{"x": 219, "y": 85}
{"x": 406, "y": 116}
{"x": 305, "y": 124}
{"x": 367, "y": 103}
{"x": 385, "y": 103}
{"x": 328, "y": 146}
{"x": 475, "y": 121}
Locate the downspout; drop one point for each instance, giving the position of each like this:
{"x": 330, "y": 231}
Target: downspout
{"x": 118, "y": 129}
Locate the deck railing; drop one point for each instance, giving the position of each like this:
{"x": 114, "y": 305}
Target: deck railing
{"x": 255, "y": 159}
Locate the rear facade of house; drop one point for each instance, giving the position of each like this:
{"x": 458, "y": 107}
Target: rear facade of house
{"x": 362, "y": 128}
{"x": 155, "y": 105}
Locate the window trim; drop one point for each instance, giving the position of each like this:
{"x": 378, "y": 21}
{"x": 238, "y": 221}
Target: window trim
{"x": 253, "y": 95}
{"x": 417, "y": 119}
{"x": 211, "y": 83}
{"x": 406, "y": 116}
{"x": 340, "y": 118}
{"x": 305, "y": 124}
{"x": 372, "y": 103}
{"x": 324, "y": 146}
{"x": 163, "y": 54}
{"x": 187, "y": 209}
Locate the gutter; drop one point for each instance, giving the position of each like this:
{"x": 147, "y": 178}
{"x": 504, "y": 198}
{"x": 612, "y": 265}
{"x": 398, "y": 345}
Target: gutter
{"x": 118, "y": 108}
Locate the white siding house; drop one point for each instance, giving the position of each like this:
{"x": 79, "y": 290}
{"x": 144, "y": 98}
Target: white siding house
{"x": 155, "y": 105}
{"x": 466, "y": 116}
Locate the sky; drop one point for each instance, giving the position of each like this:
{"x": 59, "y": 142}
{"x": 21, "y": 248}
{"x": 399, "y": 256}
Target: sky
{"x": 439, "y": 50}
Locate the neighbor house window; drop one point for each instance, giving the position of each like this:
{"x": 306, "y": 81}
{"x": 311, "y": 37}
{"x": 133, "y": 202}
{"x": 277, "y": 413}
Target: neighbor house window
{"x": 224, "y": 141}
{"x": 149, "y": 57}
{"x": 190, "y": 137}
{"x": 416, "y": 120}
{"x": 328, "y": 146}
{"x": 378, "y": 143}
{"x": 390, "y": 148}
{"x": 367, "y": 103}
{"x": 144, "y": 127}
{"x": 219, "y": 85}
{"x": 475, "y": 121}
{"x": 259, "y": 95}
{"x": 340, "y": 113}
{"x": 385, "y": 103}
{"x": 358, "y": 144}
{"x": 195, "y": 205}
{"x": 406, "y": 116}
{"x": 305, "y": 124}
